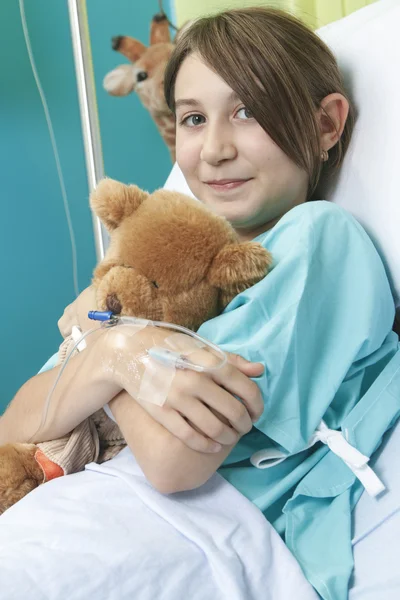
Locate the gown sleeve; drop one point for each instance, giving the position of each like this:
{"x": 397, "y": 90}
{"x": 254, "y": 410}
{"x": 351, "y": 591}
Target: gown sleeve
{"x": 316, "y": 321}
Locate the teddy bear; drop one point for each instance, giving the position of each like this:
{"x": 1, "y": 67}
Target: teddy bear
{"x": 170, "y": 259}
{"x": 145, "y": 75}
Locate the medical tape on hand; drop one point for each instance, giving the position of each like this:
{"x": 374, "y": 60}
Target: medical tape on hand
{"x": 161, "y": 367}
{"x": 156, "y": 382}
{"x": 180, "y": 342}
{"x": 76, "y": 334}
{"x": 160, "y": 364}
{"x": 134, "y": 328}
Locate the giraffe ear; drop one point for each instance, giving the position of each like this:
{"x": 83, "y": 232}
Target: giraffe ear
{"x": 237, "y": 267}
{"x": 120, "y": 81}
{"x": 113, "y": 201}
{"x": 129, "y": 47}
{"x": 159, "y": 30}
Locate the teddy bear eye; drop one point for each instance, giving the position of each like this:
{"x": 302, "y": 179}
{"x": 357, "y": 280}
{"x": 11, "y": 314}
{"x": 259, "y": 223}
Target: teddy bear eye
{"x": 155, "y": 284}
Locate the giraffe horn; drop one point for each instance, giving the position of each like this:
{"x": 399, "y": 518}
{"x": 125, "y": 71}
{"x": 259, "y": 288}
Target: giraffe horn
{"x": 159, "y": 30}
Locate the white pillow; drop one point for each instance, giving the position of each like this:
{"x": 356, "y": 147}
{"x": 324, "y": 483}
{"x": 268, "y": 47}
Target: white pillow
{"x": 367, "y": 46}
{"x": 176, "y": 182}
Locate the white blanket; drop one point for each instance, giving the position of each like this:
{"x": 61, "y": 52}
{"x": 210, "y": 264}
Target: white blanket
{"x": 107, "y": 534}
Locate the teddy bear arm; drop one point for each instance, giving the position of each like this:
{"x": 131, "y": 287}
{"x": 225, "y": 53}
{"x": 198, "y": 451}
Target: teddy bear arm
{"x": 19, "y": 473}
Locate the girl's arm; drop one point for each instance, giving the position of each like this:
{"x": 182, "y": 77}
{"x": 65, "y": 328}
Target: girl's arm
{"x": 169, "y": 462}
{"x": 86, "y": 385}
{"x": 82, "y": 389}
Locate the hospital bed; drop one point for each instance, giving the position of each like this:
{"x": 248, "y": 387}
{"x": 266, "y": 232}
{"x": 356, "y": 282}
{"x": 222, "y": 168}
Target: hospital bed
{"x": 106, "y": 534}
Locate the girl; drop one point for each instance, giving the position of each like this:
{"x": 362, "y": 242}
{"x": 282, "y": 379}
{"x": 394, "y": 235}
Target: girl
{"x": 261, "y": 114}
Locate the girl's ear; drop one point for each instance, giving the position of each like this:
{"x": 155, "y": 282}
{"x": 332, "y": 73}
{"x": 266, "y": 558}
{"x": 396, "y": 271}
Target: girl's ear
{"x": 237, "y": 267}
{"x": 332, "y": 116}
{"x": 113, "y": 201}
{"x": 159, "y": 30}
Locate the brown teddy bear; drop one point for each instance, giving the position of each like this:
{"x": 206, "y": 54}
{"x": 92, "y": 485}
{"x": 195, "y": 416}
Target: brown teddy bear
{"x": 169, "y": 259}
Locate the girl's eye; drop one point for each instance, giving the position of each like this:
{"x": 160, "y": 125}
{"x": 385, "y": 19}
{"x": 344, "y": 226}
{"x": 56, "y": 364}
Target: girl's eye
{"x": 246, "y": 114}
{"x": 193, "y": 120}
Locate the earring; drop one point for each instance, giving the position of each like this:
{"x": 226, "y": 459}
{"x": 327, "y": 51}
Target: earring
{"x": 324, "y": 155}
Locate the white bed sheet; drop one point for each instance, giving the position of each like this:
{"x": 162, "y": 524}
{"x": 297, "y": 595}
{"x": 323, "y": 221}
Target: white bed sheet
{"x": 376, "y": 529}
{"x": 107, "y": 534}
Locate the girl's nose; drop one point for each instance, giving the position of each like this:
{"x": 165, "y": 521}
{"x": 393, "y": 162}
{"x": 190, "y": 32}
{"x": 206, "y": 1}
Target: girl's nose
{"x": 218, "y": 145}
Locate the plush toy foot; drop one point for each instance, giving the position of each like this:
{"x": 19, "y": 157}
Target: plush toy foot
{"x": 19, "y": 473}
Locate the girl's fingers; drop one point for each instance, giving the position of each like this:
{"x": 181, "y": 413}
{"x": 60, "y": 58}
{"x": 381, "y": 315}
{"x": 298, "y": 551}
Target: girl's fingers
{"x": 176, "y": 424}
{"x": 207, "y": 423}
{"x": 212, "y": 394}
{"x": 239, "y": 385}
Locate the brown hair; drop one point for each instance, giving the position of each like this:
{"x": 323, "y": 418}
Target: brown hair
{"x": 281, "y": 71}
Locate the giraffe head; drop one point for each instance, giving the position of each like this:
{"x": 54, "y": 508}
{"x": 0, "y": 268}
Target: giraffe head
{"x": 145, "y": 75}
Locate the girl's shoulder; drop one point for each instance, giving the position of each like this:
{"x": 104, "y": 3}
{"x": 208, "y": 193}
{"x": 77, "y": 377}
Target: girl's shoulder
{"x": 324, "y": 232}
{"x": 314, "y": 223}
{"x": 319, "y": 212}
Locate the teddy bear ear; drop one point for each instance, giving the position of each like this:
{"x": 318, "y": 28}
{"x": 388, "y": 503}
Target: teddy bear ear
{"x": 237, "y": 267}
{"x": 113, "y": 201}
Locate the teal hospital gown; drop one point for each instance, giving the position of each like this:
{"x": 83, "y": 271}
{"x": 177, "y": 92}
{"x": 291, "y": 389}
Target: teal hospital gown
{"x": 321, "y": 324}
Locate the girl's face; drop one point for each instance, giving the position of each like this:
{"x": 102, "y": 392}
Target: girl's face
{"x": 230, "y": 163}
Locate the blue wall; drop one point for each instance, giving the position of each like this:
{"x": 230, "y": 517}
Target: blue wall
{"x": 35, "y": 250}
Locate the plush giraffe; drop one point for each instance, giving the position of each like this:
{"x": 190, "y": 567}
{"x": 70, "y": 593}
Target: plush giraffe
{"x": 146, "y": 76}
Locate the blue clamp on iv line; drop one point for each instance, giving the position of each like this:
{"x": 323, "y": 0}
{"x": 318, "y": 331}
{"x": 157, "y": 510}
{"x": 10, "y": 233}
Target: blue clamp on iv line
{"x": 101, "y": 315}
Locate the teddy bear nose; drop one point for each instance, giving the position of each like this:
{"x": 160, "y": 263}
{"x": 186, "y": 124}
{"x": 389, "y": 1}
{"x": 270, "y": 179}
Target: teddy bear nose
{"x": 113, "y": 304}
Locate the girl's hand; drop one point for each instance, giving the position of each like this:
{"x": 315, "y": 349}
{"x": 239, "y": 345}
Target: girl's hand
{"x": 200, "y": 408}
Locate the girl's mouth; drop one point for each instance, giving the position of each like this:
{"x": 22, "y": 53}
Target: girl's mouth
{"x": 223, "y": 185}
